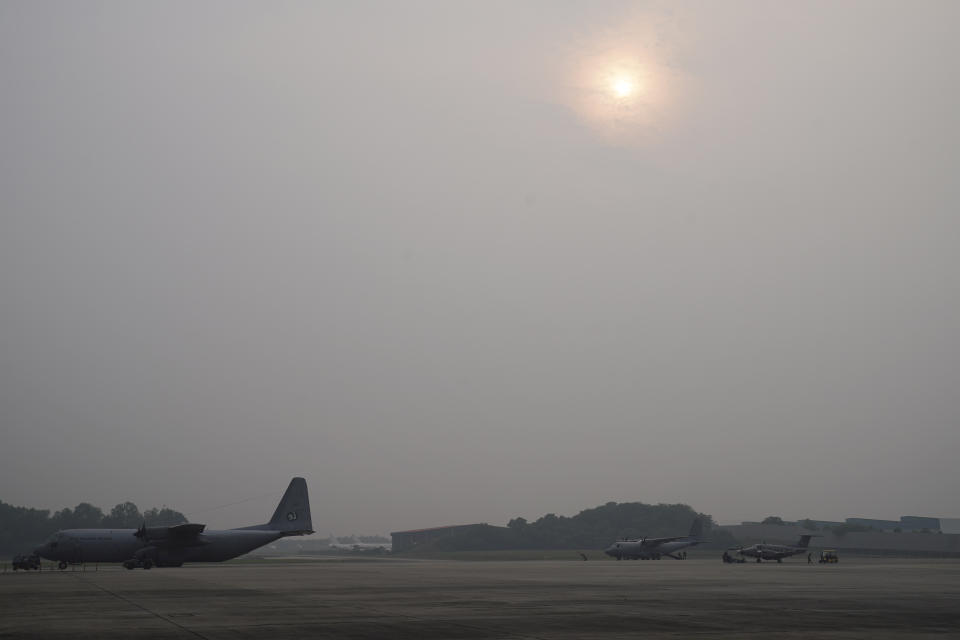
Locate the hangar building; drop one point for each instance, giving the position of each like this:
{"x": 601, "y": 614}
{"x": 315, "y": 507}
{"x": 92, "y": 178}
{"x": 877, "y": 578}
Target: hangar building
{"x": 408, "y": 540}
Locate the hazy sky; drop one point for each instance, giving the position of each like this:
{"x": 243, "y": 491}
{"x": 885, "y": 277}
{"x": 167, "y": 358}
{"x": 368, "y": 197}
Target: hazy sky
{"x": 462, "y": 262}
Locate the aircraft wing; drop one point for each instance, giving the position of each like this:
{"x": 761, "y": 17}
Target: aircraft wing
{"x": 185, "y": 531}
{"x": 181, "y": 535}
{"x": 654, "y": 542}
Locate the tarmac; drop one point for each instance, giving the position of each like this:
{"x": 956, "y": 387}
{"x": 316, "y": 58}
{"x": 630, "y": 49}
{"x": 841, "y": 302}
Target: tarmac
{"x": 704, "y": 598}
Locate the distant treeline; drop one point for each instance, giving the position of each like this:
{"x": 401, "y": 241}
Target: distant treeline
{"x": 22, "y": 528}
{"x": 590, "y": 529}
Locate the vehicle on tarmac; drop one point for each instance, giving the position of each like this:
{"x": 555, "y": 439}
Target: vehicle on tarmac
{"x": 147, "y": 547}
{"x": 729, "y": 559}
{"x": 25, "y": 562}
{"x": 655, "y": 548}
{"x": 829, "y": 556}
{"x": 763, "y": 551}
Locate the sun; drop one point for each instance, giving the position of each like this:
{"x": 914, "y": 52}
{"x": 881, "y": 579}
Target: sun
{"x": 626, "y": 81}
{"x": 622, "y": 88}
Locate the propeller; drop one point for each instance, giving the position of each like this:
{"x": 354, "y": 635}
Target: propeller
{"x": 142, "y": 531}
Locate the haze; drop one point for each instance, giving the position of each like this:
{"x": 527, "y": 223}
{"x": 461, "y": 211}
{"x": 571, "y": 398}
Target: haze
{"x": 417, "y": 253}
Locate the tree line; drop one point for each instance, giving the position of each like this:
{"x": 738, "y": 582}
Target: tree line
{"x": 22, "y": 528}
{"x": 592, "y": 528}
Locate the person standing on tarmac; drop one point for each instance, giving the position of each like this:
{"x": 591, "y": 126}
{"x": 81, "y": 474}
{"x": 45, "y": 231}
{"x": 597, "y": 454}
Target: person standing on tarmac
{"x": 809, "y": 558}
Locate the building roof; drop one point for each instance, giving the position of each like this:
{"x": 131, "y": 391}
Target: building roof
{"x": 451, "y": 526}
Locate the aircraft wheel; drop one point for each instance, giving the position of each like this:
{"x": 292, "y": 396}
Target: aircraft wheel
{"x": 758, "y": 560}
{"x": 147, "y": 563}
{"x": 779, "y": 561}
{"x": 62, "y": 565}
{"x": 129, "y": 564}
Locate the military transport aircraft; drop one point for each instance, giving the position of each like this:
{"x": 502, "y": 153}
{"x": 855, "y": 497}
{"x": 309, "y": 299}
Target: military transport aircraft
{"x": 654, "y": 548}
{"x": 763, "y": 551}
{"x": 172, "y": 546}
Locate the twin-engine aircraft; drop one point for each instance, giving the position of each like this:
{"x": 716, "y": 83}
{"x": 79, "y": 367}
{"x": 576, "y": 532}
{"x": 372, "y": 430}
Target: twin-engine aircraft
{"x": 172, "y": 546}
{"x": 655, "y": 548}
{"x": 763, "y": 551}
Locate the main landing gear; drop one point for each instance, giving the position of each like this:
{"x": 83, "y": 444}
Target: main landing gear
{"x": 146, "y": 563}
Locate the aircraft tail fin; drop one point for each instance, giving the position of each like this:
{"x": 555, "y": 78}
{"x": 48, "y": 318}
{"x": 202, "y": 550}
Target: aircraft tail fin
{"x": 805, "y": 540}
{"x": 292, "y": 515}
{"x": 696, "y": 529}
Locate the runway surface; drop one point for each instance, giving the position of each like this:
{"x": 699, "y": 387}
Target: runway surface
{"x": 858, "y": 598}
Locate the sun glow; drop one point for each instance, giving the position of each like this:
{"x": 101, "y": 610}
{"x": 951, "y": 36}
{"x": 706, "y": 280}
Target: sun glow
{"x": 622, "y": 88}
{"x": 626, "y": 82}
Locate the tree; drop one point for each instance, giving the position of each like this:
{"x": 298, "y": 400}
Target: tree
{"x": 20, "y": 526}
{"x": 86, "y": 516}
{"x": 125, "y": 515}
{"x": 163, "y": 517}
{"x": 808, "y": 524}
{"x": 517, "y": 523}
{"x": 773, "y": 520}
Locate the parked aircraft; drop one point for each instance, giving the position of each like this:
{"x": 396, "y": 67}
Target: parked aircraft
{"x": 172, "y": 546}
{"x": 358, "y": 546}
{"x": 655, "y": 548}
{"x": 763, "y": 551}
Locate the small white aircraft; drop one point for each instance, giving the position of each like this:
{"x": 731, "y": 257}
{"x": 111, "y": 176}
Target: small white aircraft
{"x": 763, "y": 551}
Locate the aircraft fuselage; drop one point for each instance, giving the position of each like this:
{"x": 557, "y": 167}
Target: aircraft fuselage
{"x": 631, "y": 549}
{"x": 772, "y": 551}
{"x": 171, "y": 546}
{"x": 119, "y": 545}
